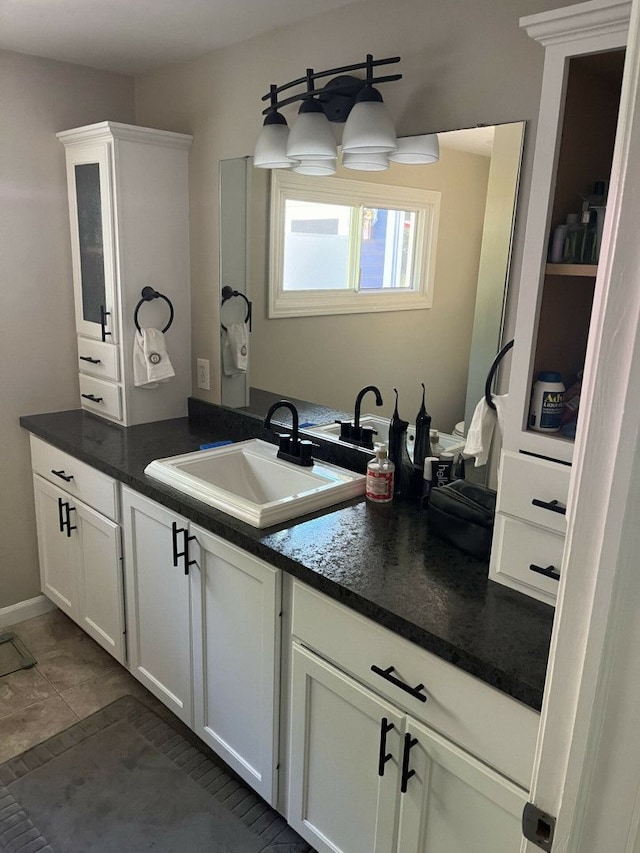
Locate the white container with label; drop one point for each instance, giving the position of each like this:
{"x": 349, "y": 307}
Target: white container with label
{"x": 547, "y": 399}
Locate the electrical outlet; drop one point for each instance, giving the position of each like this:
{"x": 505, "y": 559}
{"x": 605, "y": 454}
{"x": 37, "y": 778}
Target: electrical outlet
{"x": 204, "y": 381}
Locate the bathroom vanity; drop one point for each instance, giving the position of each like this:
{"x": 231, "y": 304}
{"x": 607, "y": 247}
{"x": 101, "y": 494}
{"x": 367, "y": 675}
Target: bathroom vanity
{"x": 349, "y": 642}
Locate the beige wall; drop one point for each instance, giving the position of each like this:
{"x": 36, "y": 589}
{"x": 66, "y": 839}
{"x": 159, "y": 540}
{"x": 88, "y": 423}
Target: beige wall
{"x": 463, "y": 63}
{"x": 37, "y": 353}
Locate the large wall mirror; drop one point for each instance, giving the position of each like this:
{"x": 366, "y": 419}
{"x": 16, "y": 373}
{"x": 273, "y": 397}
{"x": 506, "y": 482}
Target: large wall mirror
{"x": 326, "y": 359}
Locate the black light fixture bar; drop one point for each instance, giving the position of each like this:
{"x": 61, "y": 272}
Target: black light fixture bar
{"x": 329, "y": 89}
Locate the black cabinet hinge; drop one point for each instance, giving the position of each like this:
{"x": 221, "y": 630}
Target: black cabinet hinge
{"x": 538, "y": 826}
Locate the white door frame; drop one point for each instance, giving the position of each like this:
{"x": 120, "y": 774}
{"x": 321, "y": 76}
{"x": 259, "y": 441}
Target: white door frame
{"x": 587, "y": 769}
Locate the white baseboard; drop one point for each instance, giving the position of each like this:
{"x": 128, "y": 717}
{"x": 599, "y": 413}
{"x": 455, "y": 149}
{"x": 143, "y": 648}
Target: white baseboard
{"x": 25, "y": 610}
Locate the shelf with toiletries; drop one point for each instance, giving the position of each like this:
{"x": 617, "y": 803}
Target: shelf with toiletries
{"x": 584, "y": 57}
{"x": 128, "y": 210}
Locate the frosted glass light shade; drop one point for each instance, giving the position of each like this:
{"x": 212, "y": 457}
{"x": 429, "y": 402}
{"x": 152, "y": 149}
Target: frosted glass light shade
{"x": 271, "y": 148}
{"x": 366, "y": 162}
{"x": 368, "y": 130}
{"x": 311, "y": 137}
{"x": 417, "y": 149}
{"x": 316, "y": 167}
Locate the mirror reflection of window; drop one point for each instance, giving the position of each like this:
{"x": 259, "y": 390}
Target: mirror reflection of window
{"x": 366, "y": 247}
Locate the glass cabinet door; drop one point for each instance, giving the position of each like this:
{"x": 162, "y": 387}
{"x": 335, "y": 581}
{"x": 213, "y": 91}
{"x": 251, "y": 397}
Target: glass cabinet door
{"x": 91, "y": 239}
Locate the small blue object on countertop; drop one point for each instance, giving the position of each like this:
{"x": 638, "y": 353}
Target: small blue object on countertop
{"x": 215, "y": 444}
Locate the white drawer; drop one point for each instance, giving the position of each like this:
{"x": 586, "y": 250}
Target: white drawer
{"x": 516, "y": 548}
{"x": 534, "y": 490}
{"x": 100, "y": 397}
{"x": 98, "y": 358}
{"x": 487, "y": 723}
{"x": 79, "y": 479}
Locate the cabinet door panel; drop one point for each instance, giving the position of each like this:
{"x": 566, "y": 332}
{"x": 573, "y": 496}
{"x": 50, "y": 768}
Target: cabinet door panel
{"x": 157, "y": 596}
{"x": 236, "y": 601}
{"x": 100, "y": 593}
{"x": 89, "y": 183}
{"x": 454, "y": 803}
{"x": 59, "y": 554}
{"x": 337, "y": 799}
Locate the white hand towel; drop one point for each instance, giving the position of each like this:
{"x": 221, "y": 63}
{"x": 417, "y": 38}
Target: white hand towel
{"x": 235, "y": 350}
{"x": 151, "y": 362}
{"x": 482, "y": 428}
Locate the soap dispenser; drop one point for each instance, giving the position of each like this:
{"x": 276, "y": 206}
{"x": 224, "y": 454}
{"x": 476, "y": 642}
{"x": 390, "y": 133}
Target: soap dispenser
{"x": 422, "y": 444}
{"x": 398, "y": 453}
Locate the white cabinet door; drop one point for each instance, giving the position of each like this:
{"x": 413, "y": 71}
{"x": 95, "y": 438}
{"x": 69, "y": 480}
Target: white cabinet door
{"x": 90, "y": 208}
{"x": 236, "y": 633}
{"x": 80, "y": 565}
{"x": 100, "y": 583}
{"x": 454, "y": 803}
{"x": 157, "y": 597}
{"x": 343, "y": 737}
{"x": 58, "y": 547}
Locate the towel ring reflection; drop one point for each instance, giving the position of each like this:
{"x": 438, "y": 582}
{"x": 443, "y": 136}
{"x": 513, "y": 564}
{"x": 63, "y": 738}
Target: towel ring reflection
{"x": 229, "y": 293}
{"x": 148, "y": 293}
{"x": 492, "y": 372}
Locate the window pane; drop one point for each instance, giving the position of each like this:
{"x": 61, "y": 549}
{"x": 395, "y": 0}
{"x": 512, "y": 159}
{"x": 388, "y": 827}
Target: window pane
{"x": 316, "y": 246}
{"x": 388, "y": 243}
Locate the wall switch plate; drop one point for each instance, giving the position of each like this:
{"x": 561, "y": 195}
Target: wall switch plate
{"x": 204, "y": 381}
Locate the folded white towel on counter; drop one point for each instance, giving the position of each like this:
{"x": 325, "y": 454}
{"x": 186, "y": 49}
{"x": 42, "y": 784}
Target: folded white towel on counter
{"x": 235, "y": 349}
{"x": 482, "y": 428}
{"x": 151, "y": 362}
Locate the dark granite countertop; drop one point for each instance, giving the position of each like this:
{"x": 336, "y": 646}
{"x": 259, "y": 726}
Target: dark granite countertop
{"x": 380, "y": 560}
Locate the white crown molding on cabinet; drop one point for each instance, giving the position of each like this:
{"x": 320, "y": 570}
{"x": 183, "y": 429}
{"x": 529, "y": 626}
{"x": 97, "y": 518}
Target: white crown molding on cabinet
{"x": 104, "y": 131}
{"x": 584, "y": 20}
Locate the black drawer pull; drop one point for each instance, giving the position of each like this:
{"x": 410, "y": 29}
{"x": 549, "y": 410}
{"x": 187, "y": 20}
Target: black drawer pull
{"x": 416, "y": 692}
{"x": 409, "y": 743}
{"x": 384, "y": 756}
{"x": 60, "y": 516}
{"x": 92, "y": 397}
{"x": 548, "y": 572}
{"x": 66, "y": 477}
{"x": 89, "y": 359}
{"x": 554, "y": 506}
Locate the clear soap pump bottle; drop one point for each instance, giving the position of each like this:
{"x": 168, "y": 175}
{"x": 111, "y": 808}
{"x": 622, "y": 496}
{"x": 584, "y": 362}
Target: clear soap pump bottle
{"x": 380, "y": 474}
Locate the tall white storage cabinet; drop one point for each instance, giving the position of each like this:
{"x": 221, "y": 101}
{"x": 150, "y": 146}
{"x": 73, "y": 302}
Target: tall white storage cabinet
{"x": 584, "y": 56}
{"x": 129, "y": 214}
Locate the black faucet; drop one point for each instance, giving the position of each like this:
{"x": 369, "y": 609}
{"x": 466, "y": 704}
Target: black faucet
{"x": 353, "y": 432}
{"x": 290, "y": 446}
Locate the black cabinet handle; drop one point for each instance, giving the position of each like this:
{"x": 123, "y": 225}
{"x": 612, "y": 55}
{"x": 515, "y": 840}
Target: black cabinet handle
{"x": 416, "y": 692}
{"x": 175, "y": 530}
{"x": 548, "y": 572}
{"x": 103, "y": 322}
{"x": 66, "y": 477}
{"x": 60, "y": 516}
{"x": 384, "y": 756}
{"x": 553, "y": 506}
{"x": 409, "y": 743}
{"x": 92, "y": 397}
{"x": 89, "y": 359}
{"x": 64, "y": 517}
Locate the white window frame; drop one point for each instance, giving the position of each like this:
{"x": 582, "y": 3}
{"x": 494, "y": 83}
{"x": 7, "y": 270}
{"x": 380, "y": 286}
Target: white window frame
{"x": 302, "y": 303}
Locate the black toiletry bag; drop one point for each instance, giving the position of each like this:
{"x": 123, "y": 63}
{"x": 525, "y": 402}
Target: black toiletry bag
{"x": 463, "y": 513}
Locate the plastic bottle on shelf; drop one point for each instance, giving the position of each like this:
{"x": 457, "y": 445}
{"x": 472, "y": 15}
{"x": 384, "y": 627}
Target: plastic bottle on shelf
{"x": 545, "y": 414}
{"x": 558, "y": 239}
{"x": 380, "y": 476}
{"x": 573, "y": 240}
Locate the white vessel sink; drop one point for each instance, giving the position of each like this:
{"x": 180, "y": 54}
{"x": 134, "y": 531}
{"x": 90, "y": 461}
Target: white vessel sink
{"x": 248, "y": 481}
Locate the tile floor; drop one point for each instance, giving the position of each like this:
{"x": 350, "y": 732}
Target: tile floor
{"x": 73, "y": 677}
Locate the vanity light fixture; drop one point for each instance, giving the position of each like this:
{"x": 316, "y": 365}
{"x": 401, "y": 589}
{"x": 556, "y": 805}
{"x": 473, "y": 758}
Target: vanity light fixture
{"x": 369, "y": 138}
